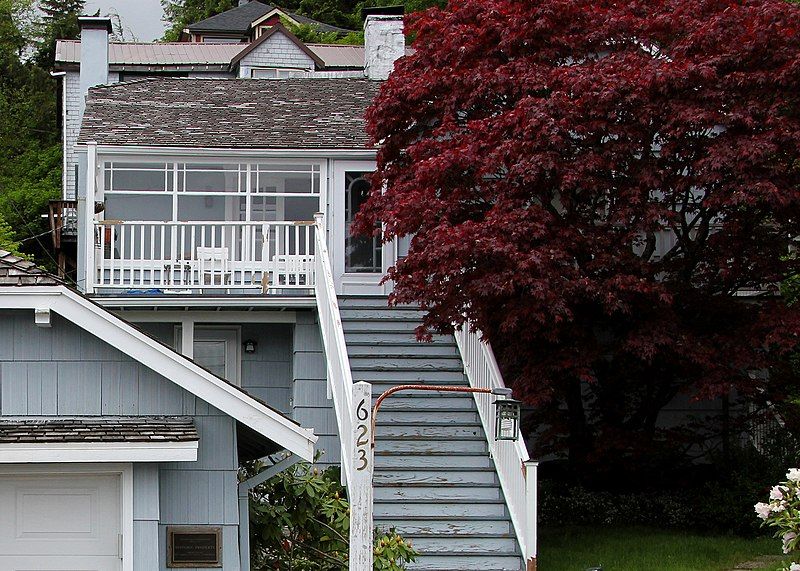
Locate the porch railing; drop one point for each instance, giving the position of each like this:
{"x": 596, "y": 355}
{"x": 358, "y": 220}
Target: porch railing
{"x": 204, "y": 255}
{"x": 340, "y": 378}
{"x": 517, "y": 474}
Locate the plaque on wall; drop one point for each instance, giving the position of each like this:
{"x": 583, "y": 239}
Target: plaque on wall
{"x": 198, "y": 546}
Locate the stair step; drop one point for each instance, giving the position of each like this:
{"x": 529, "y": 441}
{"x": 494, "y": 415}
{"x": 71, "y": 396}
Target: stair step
{"x": 399, "y": 510}
{"x": 443, "y": 461}
{"x": 409, "y": 377}
{"x": 382, "y": 313}
{"x": 408, "y": 350}
{"x": 425, "y": 431}
{"x": 412, "y": 493}
{"x": 391, "y": 415}
{"x": 431, "y": 446}
{"x": 494, "y": 544}
{"x": 407, "y": 362}
{"x": 443, "y": 526}
{"x": 378, "y": 337}
{"x": 434, "y": 475}
{"x": 467, "y": 562}
{"x": 434, "y": 402}
{"x": 380, "y": 325}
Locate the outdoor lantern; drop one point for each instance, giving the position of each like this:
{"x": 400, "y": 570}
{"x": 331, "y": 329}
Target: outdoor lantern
{"x": 250, "y": 346}
{"x": 508, "y": 412}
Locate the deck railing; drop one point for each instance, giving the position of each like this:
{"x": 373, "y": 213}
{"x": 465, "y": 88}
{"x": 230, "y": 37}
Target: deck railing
{"x": 205, "y": 256}
{"x": 340, "y": 378}
{"x": 517, "y": 474}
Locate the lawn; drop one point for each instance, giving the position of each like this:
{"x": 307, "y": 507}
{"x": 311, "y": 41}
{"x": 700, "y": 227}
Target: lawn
{"x": 635, "y": 549}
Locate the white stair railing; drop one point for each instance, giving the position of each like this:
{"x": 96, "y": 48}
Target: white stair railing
{"x": 517, "y": 474}
{"x": 340, "y": 378}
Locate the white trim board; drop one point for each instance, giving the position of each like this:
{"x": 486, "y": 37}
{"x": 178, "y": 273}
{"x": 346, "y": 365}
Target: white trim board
{"x": 97, "y": 452}
{"x": 164, "y": 361}
{"x": 238, "y": 153}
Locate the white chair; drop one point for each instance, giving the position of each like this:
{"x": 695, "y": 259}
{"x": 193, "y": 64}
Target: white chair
{"x": 292, "y": 270}
{"x": 213, "y": 266}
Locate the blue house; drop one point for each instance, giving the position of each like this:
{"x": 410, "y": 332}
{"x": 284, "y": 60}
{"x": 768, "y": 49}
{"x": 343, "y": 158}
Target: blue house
{"x": 222, "y": 312}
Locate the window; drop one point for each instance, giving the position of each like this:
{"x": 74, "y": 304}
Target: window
{"x": 362, "y": 253}
{"x": 274, "y": 72}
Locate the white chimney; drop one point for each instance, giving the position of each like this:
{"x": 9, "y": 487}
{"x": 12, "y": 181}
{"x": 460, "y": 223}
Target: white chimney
{"x": 384, "y": 41}
{"x": 94, "y": 53}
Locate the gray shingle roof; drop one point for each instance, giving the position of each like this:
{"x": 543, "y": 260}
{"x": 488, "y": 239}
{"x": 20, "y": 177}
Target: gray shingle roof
{"x": 99, "y": 429}
{"x": 309, "y": 113}
{"x": 237, "y": 20}
{"x": 15, "y": 271}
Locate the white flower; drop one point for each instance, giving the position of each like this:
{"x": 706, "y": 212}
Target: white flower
{"x": 794, "y": 567}
{"x": 778, "y": 508}
{"x": 793, "y": 475}
{"x": 763, "y": 510}
{"x": 776, "y": 493}
{"x": 787, "y": 537}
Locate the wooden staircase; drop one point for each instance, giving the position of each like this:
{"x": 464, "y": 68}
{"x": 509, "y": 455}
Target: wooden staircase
{"x": 434, "y": 481}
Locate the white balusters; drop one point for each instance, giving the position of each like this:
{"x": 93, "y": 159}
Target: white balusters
{"x": 164, "y": 255}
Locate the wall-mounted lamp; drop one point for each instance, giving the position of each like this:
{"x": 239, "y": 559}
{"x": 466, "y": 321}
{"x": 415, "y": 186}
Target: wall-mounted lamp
{"x": 249, "y": 346}
{"x": 507, "y": 415}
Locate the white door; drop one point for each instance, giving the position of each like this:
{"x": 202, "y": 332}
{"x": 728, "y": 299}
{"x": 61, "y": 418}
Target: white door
{"x": 359, "y": 262}
{"x": 217, "y": 349}
{"x": 65, "y": 522}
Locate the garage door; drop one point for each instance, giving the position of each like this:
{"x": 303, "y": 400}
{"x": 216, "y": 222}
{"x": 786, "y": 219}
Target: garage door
{"x": 59, "y": 522}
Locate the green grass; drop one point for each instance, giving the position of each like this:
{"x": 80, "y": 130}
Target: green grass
{"x": 643, "y": 549}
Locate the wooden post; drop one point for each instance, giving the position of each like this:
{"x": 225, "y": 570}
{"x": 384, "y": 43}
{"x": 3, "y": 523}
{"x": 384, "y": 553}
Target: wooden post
{"x": 362, "y": 464}
{"x": 531, "y": 508}
{"x": 90, "y": 264}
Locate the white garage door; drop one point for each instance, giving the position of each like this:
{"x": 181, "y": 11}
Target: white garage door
{"x": 59, "y": 522}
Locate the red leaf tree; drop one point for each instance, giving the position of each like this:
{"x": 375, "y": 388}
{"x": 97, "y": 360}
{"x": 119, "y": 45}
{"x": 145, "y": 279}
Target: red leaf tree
{"x": 595, "y": 185}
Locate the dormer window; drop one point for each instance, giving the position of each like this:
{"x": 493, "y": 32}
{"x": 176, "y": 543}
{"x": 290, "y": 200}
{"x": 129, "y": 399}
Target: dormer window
{"x": 275, "y": 72}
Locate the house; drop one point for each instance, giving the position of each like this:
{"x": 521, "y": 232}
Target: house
{"x": 113, "y": 445}
{"x": 213, "y": 214}
{"x": 247, "y": 22}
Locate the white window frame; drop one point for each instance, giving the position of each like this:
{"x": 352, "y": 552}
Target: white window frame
{"x": 231, "y": 335}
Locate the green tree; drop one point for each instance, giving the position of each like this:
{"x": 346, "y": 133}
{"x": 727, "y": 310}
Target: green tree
{"x": 8, "y": 241}
{"x": 178, "y": 14}
{"x": 59, "y": 21}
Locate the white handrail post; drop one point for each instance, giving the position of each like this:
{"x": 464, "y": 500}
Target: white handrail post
{"x": 531, "y": 505}
{"x": 361, "y": 480}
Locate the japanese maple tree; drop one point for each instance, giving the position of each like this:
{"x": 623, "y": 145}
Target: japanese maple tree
{"x": 595, "y": 185}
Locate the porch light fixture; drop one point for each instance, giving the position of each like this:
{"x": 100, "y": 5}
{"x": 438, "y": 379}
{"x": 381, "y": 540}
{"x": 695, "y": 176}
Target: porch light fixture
{"x": 249, "y": 346}
{"x": 507, "y": 415}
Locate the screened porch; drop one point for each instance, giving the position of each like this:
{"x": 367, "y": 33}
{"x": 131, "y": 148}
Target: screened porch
{"x": 197, "y": 227}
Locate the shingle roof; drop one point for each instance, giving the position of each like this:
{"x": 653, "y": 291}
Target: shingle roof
{"x": 15, "y": 271}
{"x": 238, "y": 19}
{"x": 99, "y": 429}
{"x": 68, "y": 52}
{"x": 309, "y": 113}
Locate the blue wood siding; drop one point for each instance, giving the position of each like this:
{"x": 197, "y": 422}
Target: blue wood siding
{"x": 267, "y": 373}
{"x": 64, "y": 370}
{"x": 311, "y": 406}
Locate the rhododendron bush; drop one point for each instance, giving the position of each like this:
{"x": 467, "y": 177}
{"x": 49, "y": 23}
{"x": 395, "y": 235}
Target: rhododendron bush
{"x": 592, "y": 183}
{"x": 783, "y": 512}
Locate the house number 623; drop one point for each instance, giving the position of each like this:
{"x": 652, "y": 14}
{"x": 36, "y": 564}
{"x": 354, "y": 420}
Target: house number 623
{"x": 362, "y": 441}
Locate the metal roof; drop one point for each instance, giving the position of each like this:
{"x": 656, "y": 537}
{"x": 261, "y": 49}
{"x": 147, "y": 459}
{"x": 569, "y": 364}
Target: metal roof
{"x": 308, "y": 113}
{"x": 68, "y": 52}
{"x": 177, "y": 53}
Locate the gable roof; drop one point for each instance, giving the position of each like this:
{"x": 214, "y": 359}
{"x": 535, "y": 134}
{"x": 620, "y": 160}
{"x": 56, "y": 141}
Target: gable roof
{"x": 16, "y": 271}
{"x": 164, "y": 360}
{"x": 277, "y": 29}
{"x": 238, "y": 20}
{"x": 121, "y": 54}
{"x": 299, "y": 113}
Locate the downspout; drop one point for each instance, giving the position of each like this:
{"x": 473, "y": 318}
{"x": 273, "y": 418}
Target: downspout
{"x": 244, "y": 504}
